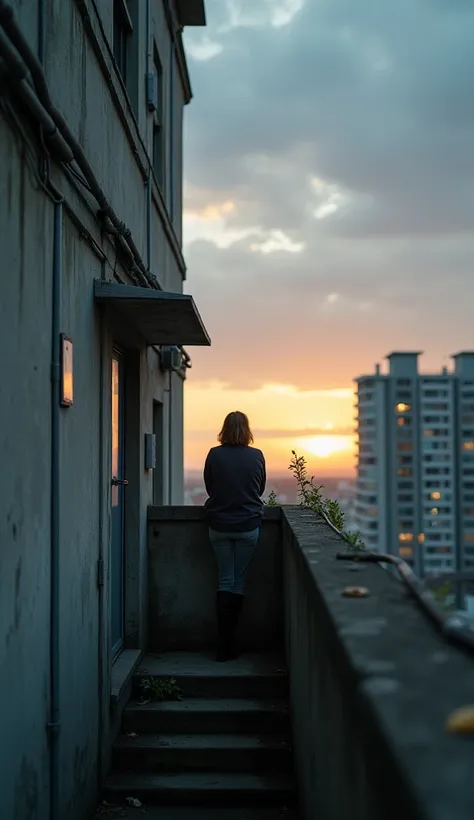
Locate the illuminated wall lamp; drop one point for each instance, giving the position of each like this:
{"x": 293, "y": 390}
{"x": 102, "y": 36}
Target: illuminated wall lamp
{"x": 67, "y": 376}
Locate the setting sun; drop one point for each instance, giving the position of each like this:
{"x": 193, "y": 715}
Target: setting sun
{"x": 326, "y": 446}
{"x": 316, "y": 423}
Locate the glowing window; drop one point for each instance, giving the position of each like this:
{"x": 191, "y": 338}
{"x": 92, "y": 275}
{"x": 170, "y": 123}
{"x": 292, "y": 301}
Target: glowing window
{"x": 435, "y": 496}
{"x": 401, "y": 407}
{"x": 401, "y": 422}
{"x": 405, "y": 536}
{"x": 405, "y": 552}
{"x": 434, "y": 511}
{"x": 421, "y": 538}
{"x": 468, "y": 445}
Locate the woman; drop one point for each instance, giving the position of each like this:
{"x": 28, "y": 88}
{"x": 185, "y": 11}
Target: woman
{"x": 234, "y": 475}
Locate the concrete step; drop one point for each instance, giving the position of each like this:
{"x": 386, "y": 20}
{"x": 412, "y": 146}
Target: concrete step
{"x": 208, "y": 716}
{"x": 200, "y": 676}
{"x": 238, "y": 753}
{"x": 119, "y": 810}
{"x": 202, "y": 789}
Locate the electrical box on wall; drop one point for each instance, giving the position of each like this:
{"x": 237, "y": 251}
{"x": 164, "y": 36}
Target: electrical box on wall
{"x": 171, "y": 358}
{"x": 150, "y": 451}
{"x": 151, "y": 92}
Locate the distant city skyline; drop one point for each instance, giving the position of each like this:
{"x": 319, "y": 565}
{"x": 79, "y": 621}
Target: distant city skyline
{"x": 286, "y": 490}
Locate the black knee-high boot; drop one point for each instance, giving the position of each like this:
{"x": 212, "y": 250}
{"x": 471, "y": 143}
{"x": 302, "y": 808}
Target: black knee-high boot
{"x": 236, "y": 609}
{"x": 227, "y": 618}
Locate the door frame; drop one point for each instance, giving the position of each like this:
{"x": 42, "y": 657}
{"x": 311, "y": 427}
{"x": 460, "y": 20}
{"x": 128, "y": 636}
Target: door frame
{"x": 117, "y": 647}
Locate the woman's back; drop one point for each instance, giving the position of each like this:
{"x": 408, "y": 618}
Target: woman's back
{"x": 234, "y": 475}
{"x": 235, "y": 481}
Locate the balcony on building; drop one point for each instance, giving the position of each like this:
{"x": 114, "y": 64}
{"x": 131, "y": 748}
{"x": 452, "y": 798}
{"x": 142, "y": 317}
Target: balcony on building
{"x": 371, "y": 682}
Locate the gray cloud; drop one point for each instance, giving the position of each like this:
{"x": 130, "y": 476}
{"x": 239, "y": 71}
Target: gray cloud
{"x": 376, "y": 100}
{"x": 378, "y": 95}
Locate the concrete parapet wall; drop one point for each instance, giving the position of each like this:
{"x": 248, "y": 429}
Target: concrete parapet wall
{"x": 372, "y": 684}
{"x": 182, "y": 578}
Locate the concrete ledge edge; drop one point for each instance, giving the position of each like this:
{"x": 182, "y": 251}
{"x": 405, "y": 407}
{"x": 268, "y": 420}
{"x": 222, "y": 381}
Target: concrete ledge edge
{"x": 123, "y": 670}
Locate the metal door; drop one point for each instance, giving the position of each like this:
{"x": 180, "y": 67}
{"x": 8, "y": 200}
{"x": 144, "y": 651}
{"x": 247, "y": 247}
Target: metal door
{"x": 117, "y": 557}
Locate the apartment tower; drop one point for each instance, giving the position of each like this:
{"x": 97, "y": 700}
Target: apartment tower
{"x": 415, "y": 472}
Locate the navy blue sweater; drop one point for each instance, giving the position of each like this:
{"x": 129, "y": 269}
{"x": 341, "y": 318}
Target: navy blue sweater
{"x": 235, "y": 479}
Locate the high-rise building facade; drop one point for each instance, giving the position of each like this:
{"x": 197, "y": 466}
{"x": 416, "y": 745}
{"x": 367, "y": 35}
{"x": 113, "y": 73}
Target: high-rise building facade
{"x": 415, "y": 482}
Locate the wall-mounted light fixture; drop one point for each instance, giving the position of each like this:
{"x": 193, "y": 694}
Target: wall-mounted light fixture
{"x": 67, "y": 376}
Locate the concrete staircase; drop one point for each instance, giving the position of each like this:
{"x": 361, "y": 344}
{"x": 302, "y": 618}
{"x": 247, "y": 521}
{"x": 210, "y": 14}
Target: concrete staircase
{"x": 224, "y": 748}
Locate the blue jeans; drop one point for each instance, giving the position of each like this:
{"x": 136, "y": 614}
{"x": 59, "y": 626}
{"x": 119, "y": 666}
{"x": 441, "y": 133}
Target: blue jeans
{"x": 233, "y": 551}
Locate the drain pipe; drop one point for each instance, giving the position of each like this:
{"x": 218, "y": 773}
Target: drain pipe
{"x": 170, "y": 443}
{"x": 54, "y": 721}
{"x": 41, "y": 30}
{"x": 171, "y": 109}
{"x": 148, "y": 220}
{"x": 150, "y": 144}
{"x": 168, "y": 436}
{"x": 100, "y": 565}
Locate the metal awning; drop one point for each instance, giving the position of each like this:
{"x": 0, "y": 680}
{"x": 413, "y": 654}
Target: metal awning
{"x": 160, "y": 317}
{"x": 191, "y": 12}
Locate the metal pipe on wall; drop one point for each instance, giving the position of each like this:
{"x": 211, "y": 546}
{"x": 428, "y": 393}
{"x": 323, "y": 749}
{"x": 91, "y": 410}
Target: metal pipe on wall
{"x": 7, "y": 21}
{"x": 18, "y": 74}
{"x": 54, "y": 724}
{"x": 148, "y": 220}
{"x": 171, "y": 110}
{"x": 149, "y": 145}
{"x": 170, "y": 439}
{"x": 167, "y": 440}
{"x": 41, "y": 30}
{"x": 171, "y": 212}
{"x": 101, "y": 562}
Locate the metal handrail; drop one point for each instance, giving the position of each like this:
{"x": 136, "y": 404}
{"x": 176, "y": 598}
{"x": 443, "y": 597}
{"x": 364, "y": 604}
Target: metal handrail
{"x": 453, "y": 627}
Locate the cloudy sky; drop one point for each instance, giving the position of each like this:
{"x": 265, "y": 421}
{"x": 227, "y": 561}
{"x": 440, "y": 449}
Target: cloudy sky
{"x": 329, "y": 207}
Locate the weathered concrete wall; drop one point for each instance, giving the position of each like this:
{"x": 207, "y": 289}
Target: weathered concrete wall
{"x": 25, "y": 218}
{"x": 183, "y": 580}
{"x": 118, "y": 154}
{"x": 87, "y": 89}
{"x": 372, "y": 684}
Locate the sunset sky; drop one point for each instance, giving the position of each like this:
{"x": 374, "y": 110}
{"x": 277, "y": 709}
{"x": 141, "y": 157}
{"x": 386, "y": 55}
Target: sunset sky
{"x": 329, "y": 209}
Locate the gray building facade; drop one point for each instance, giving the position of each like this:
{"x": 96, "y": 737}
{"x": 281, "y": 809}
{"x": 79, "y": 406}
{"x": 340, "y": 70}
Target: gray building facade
{"x": 94, "y": 327}
{"x": 415, "y": 474}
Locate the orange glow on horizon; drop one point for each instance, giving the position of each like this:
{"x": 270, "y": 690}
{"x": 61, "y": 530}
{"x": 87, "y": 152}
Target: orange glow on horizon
{"x": 317, "y": 424}
{"x": 328, "y": 445}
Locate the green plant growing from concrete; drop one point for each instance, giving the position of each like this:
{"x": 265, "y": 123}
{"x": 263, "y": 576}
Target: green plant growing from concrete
{"x": 442, "y": 595}
{"x": 354, "y": 540}
{"x": 272, "y": 500}
{"x": 159, "y": 689}
{"x": 312, "y": 498}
